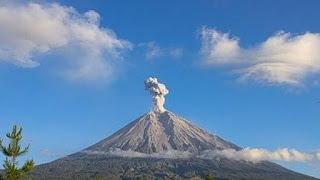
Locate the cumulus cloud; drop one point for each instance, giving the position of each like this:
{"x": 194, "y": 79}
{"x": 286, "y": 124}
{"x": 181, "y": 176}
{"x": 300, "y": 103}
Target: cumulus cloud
{"x": 246, "y": 154}
{"x": 153, "y": 51}
{"x": 281, "y": 59}
{"x": 32, "y": 29}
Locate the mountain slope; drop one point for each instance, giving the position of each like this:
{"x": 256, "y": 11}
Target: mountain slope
{"x": 159, "y": 132}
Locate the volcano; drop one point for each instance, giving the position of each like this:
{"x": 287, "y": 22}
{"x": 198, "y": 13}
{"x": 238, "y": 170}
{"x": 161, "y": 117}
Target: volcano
{"x": 160, "y": 145}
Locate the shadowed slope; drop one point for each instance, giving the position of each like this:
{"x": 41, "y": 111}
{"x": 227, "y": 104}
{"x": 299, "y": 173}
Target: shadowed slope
{"x": 81, "y": 166}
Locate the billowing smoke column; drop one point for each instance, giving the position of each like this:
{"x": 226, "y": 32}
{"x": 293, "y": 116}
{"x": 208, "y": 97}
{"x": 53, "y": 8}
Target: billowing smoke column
{"x": 158, "y": 91}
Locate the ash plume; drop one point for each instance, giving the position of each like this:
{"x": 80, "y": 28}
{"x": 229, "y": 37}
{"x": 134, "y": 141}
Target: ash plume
{"x": 158, "y": 91}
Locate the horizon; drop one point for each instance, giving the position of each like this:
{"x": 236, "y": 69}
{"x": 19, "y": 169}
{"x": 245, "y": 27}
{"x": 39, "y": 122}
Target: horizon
{"x": 72, "y": 73}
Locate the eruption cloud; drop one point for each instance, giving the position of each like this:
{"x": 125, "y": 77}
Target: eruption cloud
{"x": 158, "y": 91}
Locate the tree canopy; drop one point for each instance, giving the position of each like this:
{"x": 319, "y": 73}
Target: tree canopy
{"x": 12, "y": 152}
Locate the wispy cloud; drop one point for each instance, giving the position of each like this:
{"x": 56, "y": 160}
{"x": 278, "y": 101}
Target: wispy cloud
{"x": 175, "y": 52}
{"x": 46, "y": 152}
{"x": 133, "y": 154}
{"x": 255, "y": 155}
{"x": 246, "y": 154}
{"x": 283, "y": 59}
{"x": 31, "y": 29}
{"x": 153, "y": 51}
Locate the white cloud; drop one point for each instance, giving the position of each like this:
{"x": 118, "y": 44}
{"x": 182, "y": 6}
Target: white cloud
{"x": 132, "y": 154}
{"x": 281, "y": 59}
{"x": 247, "y": 154}
{"x": 318, "y": 154}
{"x": 255, "y": 155}
{"x": 32, "y": 29}
{"x": 219, "y": 48}
{"x": 46, "y": 152}
{"x": 153, "y": 51}
{"x": 175, "y": 52}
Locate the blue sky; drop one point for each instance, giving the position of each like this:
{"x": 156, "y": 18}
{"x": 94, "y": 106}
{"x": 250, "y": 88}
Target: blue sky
{"x": 68, "y": 96}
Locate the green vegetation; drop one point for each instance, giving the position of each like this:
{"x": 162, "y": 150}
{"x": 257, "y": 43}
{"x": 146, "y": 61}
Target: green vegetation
{"x": 209, "y": 176}
{"x": 12, "y": 152}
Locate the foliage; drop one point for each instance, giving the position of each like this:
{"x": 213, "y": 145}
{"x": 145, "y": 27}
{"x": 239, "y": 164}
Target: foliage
{"x": 209, "y": 176}
{"x": 12, "y": 152}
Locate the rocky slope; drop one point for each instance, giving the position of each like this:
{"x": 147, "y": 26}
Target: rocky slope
{"x": 160, "y": 132}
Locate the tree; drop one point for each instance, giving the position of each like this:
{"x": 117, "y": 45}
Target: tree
{"x": 209, "y": 176}
{"x": 12, "y": 152}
